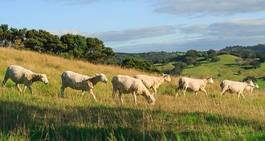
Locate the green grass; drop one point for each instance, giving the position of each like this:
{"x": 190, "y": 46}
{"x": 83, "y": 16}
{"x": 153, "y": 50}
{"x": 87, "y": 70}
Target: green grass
{"x": 226, "y": 68}
{"x": 45, "y": 116}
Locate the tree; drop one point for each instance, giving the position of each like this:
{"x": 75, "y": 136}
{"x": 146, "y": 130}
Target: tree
{"x": 191, "y": 57}
{"x": 137, "y": 63}
{"x": 255, "y": 64}
{"x": 33, "y": 44}
{"x": 178, "y": 68}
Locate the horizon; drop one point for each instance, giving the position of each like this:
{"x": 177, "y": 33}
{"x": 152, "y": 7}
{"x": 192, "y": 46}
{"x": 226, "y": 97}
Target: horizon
{"x": 145, "y": 26}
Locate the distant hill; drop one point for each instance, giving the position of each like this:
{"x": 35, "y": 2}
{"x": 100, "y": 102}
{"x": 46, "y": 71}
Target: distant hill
{"x": 255, "y": 48}
{"x": 154, "y": 57}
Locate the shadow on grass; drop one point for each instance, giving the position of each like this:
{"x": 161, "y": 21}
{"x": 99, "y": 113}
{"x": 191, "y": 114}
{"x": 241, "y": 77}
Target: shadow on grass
{"x": 112, "y": 123}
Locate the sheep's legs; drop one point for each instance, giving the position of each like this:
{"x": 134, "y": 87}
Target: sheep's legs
{"x": 92, "y": 93}
{"x": 154, "y": 89}
{"x": 223, "y": 92}
{"x": 62, "y": 91}
{"x": 243, "y": 95}
{"x": 83, "y": 93}
{"x": 19, "y": 89}
{"x": 30, "y": 89}
{"x": 4, "y": 81}
{"x": 240, "y": 93}
{"x": 184, "y": 91}
{"x": 120, "y": 95}
{"x": 135, "y": 100}
{"x": 25, "y": 87}
{"x": 204, "y": 91}
{"x": 177, "y": 94}
{"x": 113, "y": 93}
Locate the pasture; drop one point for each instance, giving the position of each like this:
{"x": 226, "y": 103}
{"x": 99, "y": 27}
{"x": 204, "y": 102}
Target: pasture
{"x": 46, "y": 116}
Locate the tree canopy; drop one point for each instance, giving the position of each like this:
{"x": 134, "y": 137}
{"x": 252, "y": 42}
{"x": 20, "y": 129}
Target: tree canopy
{"x": 77, "y": 46}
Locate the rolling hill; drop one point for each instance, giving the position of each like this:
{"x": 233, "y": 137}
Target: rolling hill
{"x": 45, "y": 116}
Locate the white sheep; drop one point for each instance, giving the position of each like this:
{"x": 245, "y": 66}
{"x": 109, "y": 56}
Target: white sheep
{"x": 20, "y": 75}
{"x": 152, "y": 82}
{"x": 193, "y": 84}
{"x": 237, "y": 87}
{"x": 81, "y": 82}
{"x": 124, "y": 84}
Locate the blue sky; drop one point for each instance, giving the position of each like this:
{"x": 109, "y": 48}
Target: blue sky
{"x": 145, "y": 25}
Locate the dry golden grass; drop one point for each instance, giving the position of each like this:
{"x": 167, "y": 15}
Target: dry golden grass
{"x": 46, "y": 97}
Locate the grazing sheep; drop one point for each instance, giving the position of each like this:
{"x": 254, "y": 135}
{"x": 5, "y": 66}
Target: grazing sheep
{"x": 81, "y": 82}
{"x": 152, "y": 82}
{"x": 195, "y": 85}
{"x": 20, "y": 75}
{"x": 237, "y": 87}
{"x": 123, "y": 84}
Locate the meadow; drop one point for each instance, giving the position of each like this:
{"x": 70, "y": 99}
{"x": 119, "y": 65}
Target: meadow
{"x": 46, "y": 116}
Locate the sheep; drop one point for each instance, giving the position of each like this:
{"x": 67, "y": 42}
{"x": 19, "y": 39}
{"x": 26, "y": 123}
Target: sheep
{"x": 124, "y": 84}
{"x": 152, "y": 82}
{"x": 81, "y": 82}
{"x": 193, "y": 84}
{"x": 237, "y": 87}
{"x": 20, "y": 75}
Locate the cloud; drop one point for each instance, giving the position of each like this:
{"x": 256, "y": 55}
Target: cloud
{"x": 232, "y": 28}
{"x": 183, "y": 37}
{"x": 68, "y": 31}
{"x": 213, "y": 36}
{"x": 197, "y": 44}
{"x": 135, "y": 34}
{"x": 209, "y": 7}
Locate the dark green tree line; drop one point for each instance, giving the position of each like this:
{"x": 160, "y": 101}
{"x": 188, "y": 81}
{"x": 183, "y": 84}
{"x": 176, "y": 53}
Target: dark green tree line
{"x": 77, "y": 46}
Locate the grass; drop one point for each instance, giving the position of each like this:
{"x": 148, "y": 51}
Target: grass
{"x": 226, "y": 68}
{"x": 45, "y": 116}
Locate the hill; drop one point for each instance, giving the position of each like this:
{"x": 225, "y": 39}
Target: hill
{"x": 226, "y": 68}
{"x": 260, "y": 48}
{"x": 45, "y": 116}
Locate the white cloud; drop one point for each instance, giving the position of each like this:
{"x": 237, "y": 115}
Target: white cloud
{"x": 209, "y": 7}
{"x": 135, "y": 34}
{"x": 213, "y": 36}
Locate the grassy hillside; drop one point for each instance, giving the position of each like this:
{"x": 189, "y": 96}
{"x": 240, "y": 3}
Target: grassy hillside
{"x": 226, "y": 68}
{"x": 45, "y": 116}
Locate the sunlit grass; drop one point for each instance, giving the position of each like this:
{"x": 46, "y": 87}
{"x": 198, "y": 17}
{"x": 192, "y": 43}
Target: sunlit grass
{"x": 45, "y": 116}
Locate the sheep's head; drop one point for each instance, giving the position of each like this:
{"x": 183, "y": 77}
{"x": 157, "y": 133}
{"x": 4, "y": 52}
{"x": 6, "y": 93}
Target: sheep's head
{"x": 151, "y": 99}
{"x": 251, "y": 83}
{"x": 210, "y": 80}
{"x": 43, "y": 78}
{"x": 102, "y": 77}
{"x": 167, "y": 77}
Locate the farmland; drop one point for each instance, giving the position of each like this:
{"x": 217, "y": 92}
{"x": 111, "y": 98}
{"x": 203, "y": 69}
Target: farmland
{"x": 46, "y": 116}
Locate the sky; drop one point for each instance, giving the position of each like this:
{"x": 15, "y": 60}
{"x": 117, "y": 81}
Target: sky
{"x": 145, "y": 25}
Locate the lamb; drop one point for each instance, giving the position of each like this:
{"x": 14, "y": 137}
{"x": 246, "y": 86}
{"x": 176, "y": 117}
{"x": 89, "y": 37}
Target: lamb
{"x": 152, "y": 82}
{"x": 193, "y": 84}
{"x": 20, "y": 75}
{"x": 124, "y": 84}
{"x": 81, "y": 82}
{"x": 237, "y": 87}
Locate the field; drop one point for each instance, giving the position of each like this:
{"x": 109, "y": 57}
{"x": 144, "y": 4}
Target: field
{"x": 45, "y": 116}
{"x": 226, "y": 68}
